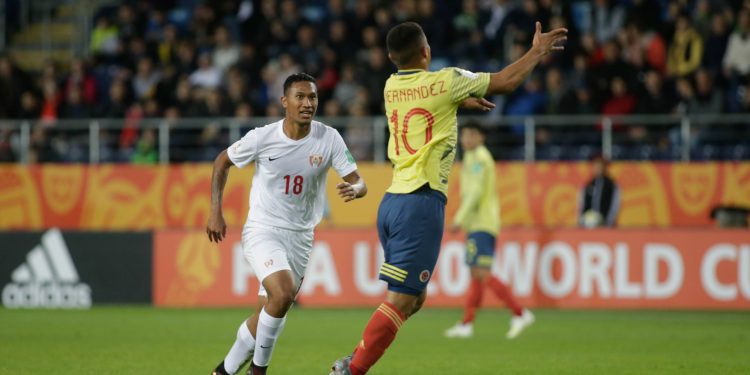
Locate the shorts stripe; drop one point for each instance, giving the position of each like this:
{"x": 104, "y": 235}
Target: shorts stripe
{"x": 391, "y": 314}
{"x": 394, "y": 269}
{"x": 392, "y": 275}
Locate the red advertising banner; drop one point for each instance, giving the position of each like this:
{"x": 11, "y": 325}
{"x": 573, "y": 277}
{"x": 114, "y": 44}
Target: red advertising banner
{"x": 662, "y": 269}
{"x": 125, "y": 197}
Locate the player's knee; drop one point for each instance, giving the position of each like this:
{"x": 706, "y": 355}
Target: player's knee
{"x": 280, "y": 300}
{"x": 418, "y": 304}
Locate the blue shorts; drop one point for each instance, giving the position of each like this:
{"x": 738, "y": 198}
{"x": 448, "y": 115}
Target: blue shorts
{"x": 410, "y": 227}
{"x": 480, "y": 249}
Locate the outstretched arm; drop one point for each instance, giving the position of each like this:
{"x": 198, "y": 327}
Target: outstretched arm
{"x": 508, "y": 79}
{"x": 352, "y": 188}
{"x": 216, "y": 227}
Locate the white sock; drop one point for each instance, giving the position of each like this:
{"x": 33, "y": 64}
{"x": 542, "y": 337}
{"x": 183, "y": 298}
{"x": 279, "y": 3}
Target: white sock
{"x": 269, "y": 329}
{"x": 241, "y": 350}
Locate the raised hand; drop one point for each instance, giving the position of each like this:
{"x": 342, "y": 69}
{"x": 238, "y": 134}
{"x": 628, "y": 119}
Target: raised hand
{"x": 551, "y": 41}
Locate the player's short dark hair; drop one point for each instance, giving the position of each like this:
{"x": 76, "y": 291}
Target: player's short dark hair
{"x": 297, "y": 77}
{"x": 404, "y": 42}
{"x": 475, "y": 126}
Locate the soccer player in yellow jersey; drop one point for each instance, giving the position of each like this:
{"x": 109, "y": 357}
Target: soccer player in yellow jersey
{"x": 421, "y": 109}
{"x": 479, "y": 216}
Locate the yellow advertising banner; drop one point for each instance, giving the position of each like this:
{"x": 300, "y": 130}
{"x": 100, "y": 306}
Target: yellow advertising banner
{"x": 125, "y": 197}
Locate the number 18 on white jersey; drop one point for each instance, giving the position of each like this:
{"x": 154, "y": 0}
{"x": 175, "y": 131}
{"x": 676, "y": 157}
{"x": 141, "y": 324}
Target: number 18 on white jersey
{"x": 288, "y": 188}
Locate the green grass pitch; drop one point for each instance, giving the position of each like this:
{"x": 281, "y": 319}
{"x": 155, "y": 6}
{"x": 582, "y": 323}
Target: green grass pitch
{"x": 143, "y": 340}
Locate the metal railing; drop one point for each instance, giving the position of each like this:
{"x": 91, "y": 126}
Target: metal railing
{"x": 663, "y": 137}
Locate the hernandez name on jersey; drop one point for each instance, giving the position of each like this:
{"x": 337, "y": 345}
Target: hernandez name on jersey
{"x": 288, "y": 189}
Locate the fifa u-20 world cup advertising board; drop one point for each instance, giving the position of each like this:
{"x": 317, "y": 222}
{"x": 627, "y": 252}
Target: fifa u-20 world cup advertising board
{"x": 664, "y": 269}
{"x": 60, "y": 269}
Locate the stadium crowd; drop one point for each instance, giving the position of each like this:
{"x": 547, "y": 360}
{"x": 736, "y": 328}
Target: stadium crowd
{"x": 227, "y": 58}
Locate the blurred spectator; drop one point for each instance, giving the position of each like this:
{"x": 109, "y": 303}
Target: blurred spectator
{"x": 79, "y": 79}
{"x": 737, "y": 57}
{"x": 745, "y": 100}
{"x": 530, "y": 100}
{"x": 610, "y": 66}
{"x": 104, "y": 37}
{"x": 430, "y": 22}
{"x": 340, "y": 41}
{"x": 599, "y": 200}
{"x": 186, "y": 62}
{"x": 118, "y": 102}
{"x": 30, "y": 108}
{"x": 346, "y": 87}
{"x": 155, "y": 26}
{"x": 210, "y": 142}
{"x": 128, "y": 24}
{"x": 307, "y": 52}
{"x": 13, "y": 83}
{"x": 555, "y": 92}
{"x": 6, "y": 148}
{"x": 73, "y": 107}
{"x": 685, "y": 95}
{"x": 579, "y": 101}
{"x": 203, "y": 24}
{"x": 707, "y": 100}
{"x": 609, "y": 18}
{"x": 145, "y": 150}
{"x": 647, "y": 14}
{"x": 654, "y": 98}
{"x": 214, "y": 105}
{"x": 621, "y": 101}
{"x": 332, "y": 108}
{"x": 686, "y": 50}
{"x": 146, "y": 79}
{"x": 468, "y": 21}
{"x": 207, "y": 75}
{"x": 276, "y": 73}
{"x": 41, "y": 150}
{"x": 358, "y": 134}
{"x": 166, "y": 48}
{"x": 236, "y": 89}
{"x": 374, "y": 74}
{"x": 226, "y": 52}
{"x": 645, "y": 50}
{"x": 716, "y": 44}
{"x": 243, "y": 111}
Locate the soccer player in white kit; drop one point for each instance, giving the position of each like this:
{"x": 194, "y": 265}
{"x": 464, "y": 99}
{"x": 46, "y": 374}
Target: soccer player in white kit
{"x": 292, "y": 158}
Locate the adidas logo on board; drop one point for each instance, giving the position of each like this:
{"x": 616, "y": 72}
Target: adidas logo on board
{"x": 47, "y": 279}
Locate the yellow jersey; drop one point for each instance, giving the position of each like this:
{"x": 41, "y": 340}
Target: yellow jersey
{"x": 421, "y": 108}
{"x": 479, "y": 210}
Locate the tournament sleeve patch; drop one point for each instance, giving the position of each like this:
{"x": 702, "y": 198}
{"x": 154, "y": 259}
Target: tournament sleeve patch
{"x": 349, "y": 156}
{"x": 467, "y": 74}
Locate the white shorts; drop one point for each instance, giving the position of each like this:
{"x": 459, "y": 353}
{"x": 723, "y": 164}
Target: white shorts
{"x": 271, "y": 249}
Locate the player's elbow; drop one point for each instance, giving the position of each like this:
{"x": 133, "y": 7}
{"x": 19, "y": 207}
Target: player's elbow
{"x": 222, "y": 161}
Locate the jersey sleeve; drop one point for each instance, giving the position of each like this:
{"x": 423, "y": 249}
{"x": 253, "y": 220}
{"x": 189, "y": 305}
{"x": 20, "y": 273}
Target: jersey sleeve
{"x": 245, "y": 150}
{"x": 341, "y": 159}
{"x": 467, "y": 84}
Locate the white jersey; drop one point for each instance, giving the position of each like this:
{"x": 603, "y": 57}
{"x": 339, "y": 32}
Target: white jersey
{"x": 288, "y": 189}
